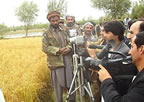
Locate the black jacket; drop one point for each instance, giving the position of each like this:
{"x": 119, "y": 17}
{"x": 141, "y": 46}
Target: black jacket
{"x": 135, "y": 92}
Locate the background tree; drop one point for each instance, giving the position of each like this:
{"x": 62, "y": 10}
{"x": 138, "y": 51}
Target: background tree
{"x": 138, "y": 10}
{"x": 27, "y": 13}
{"x": 61, "y": 6}
{"x": 141, "y": 2}
{"x": 113, "y": 8}
{"x": 3, "y": 29}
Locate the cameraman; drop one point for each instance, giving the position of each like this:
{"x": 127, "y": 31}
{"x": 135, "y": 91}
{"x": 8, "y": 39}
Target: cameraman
{"x": 136, "y": 90}
{"x": 114, "y": 30}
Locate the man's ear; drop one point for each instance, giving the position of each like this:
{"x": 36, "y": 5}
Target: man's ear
{"x": 142, "y": 49}
{"x": 117, "y": 36}
{"x": 109, "y": 32}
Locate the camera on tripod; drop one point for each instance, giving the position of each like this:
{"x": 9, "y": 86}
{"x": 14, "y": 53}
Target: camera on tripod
{"x": 74, "y": 38}
{"x": 78, "y": 40}
{"x": 80, "y": 83}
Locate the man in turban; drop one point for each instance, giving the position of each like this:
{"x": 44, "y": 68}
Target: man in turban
{"x": 57, "y": 49}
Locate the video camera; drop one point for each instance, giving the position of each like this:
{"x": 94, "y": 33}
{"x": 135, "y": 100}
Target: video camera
{"x": 93, "y": 63}
{"x": 78, "y": 40}
{"x": 102, "y": 57}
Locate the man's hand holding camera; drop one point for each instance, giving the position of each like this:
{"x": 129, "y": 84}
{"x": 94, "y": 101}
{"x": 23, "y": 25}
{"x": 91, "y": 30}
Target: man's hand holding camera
{"x": 103, "y": 73}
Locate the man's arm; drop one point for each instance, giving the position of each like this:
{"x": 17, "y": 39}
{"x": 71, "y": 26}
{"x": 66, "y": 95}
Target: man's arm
{"x": 110, "y": 93}
{"x": 47, "y": 46}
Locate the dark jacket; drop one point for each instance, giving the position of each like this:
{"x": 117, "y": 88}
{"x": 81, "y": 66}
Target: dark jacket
{"x": 115, "y": 68}
{"x": 121, "y": 73}
{"x": 135, "y": 92}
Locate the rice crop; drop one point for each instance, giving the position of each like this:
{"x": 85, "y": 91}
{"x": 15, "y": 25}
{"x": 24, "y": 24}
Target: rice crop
{"x": 24, "y": 76}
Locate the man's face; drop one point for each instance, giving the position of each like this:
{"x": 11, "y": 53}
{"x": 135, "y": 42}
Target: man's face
{"x": 70, "y": 21}
{"x": 88, "y": 29}
{"x": 54, "y": 21}
{"x": 107, "y": 35}
{"x": 102, "y": 32}
{"x": 134, "y": 29}
{"x": 134, "y": 52}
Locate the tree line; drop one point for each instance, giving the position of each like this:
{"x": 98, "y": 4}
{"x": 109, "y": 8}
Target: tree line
{"x": 114, "y": 9}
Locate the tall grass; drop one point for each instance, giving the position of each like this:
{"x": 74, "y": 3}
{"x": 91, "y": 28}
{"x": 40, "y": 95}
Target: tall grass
{"x": 24, "y": 76}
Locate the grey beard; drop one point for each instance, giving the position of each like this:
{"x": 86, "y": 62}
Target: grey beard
{"x": 70, "y": 24}
{"x": 88, "y": 32}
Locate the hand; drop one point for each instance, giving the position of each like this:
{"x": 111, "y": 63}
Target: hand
{"x": 91, "y": 52}
{"x": 103, "y": 74}
{"x": 61, "y": 50}
{"x": 67, "y": 51}
{"x": 64, "y": 50}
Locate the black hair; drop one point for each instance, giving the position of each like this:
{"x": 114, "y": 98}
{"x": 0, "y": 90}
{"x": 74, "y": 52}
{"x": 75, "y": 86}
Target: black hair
{"x": 130, "y": 23}
{"x": 139, "y": 39}
{"x": 116, "y": 28}
{"x": 141, "y": 27}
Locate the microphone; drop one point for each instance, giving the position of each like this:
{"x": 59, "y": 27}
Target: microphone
{"x": 105, "y": 49}
{"x": 96, "y": 46}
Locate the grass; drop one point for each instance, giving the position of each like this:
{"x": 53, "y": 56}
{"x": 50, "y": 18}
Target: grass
{"x": 24, "y": 76}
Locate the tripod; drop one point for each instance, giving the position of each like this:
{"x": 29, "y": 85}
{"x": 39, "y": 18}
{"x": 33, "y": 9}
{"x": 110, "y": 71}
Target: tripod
{"x": 80, "y": 84}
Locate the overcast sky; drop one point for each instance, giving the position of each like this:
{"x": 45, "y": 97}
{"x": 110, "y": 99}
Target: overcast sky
{"x": 78, "y": 8}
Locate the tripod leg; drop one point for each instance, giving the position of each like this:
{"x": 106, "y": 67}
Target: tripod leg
{"x": 87, "y": 87}
{"x": 72, "y": 85}
{"x": 91, "y": 94}
{"x": 75, "y": 85}
{"x": 81, "y": 82}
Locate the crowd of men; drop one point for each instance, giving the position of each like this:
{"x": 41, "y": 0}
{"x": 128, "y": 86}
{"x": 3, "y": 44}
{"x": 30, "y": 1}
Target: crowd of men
{"x": 113, "y": 82}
